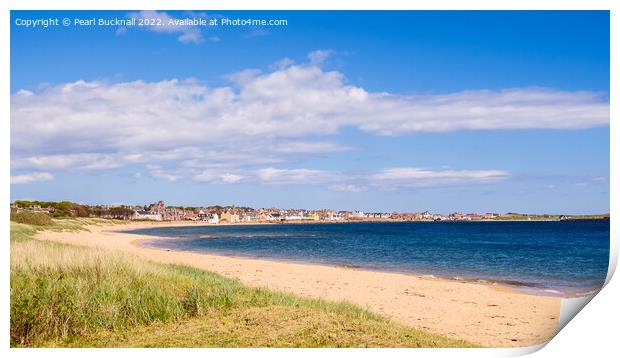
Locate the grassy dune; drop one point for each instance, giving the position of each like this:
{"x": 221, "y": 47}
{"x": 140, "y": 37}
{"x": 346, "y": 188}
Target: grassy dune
{"x": 63, "y": 295}
{"x": 547, "y": 217}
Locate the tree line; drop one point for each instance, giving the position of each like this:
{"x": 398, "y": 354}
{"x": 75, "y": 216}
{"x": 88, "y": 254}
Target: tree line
{"x": 66, "y": 209}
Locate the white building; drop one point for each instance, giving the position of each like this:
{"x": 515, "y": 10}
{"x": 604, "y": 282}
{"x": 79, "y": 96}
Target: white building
{"x": 358, "y": 215}
{"x": 146, "y": 215}
{"x": 426, "y": 215}
{"x": 294, "y": 217}
{"x": 214, "y": 219}
{"x": 334, "y": 216}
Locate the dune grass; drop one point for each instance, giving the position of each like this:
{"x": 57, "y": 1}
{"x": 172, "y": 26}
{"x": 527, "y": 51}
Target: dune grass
{"x": 64, "y": 295}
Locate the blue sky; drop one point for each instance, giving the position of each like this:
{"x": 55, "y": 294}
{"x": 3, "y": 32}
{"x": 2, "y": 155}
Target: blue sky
{"x": 374, "y": 111}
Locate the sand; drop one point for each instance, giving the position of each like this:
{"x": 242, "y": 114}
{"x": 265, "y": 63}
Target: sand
{"x": 488, "y": 315}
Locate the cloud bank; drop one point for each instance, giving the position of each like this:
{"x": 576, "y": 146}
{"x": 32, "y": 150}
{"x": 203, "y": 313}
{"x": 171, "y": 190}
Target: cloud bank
{"x": 31, "y": 178}
{"x": 186, "y": 129}
{"x": 425, "y": 177}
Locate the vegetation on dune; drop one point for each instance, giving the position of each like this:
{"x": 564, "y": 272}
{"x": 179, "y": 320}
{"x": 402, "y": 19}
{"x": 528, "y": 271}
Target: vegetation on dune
{"x": 64, "y": 295}
{"x": 33, "y": 221}
{"x": 58, "y": 209}
{"x": 21, "y": 232}
{"x": 32, "y": 218}
{"x": 270, "y": 326}
{"x": 551, "y": 217}
{"x": 68, "y": 209}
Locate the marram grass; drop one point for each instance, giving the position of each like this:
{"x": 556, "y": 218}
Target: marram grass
{"x": 63, "y": 295}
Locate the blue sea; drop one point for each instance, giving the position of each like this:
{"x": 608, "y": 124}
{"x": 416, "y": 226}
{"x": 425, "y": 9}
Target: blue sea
{"x": 555, "y": 258}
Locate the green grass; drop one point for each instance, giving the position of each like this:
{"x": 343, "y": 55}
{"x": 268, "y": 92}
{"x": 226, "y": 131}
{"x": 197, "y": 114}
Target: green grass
{"x": 64, "y": 295}
{"x": 270, "y": 326}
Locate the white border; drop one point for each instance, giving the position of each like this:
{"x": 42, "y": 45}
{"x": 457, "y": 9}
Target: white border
{"x": 312, "y": 5}
{"x": 593, "y": 331}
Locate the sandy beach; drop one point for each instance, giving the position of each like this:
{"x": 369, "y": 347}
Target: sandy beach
{"x": 488, "y": 315}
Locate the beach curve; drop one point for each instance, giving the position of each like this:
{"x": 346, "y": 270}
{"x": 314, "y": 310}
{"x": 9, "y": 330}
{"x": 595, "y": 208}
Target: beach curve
{"x": 488, "y": 315}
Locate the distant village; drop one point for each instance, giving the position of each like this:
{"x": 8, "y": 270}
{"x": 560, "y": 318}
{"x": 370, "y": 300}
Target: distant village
{"x": 159, "y": 211}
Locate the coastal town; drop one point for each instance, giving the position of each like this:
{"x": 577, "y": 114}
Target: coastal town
{"x": 216, "y": 214}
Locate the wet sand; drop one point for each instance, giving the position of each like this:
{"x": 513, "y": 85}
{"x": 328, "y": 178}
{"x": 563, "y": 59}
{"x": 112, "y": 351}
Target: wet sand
{"x": 486, "y": 314}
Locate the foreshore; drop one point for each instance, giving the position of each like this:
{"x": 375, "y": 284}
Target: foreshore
{"x": 486, "y": 314}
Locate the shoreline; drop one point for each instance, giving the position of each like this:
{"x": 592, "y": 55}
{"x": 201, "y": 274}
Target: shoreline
{"x": 486, "y": 314}
{"x": 361, "y": 221}
{"x": 514, "y": 286}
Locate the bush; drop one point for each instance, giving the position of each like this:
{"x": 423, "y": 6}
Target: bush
{"x": 80, "y": 211}
{"x": 31, "y": 218}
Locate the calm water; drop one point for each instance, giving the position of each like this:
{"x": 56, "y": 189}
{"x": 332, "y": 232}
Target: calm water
{"x": 568, "y": 257}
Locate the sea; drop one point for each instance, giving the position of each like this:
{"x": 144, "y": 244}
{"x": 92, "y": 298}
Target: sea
{"x": 557, "y": 258}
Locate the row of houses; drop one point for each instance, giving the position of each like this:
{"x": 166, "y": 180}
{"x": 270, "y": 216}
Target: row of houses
{"x": 158, "y": 211}
{"x": 34, "y": 208}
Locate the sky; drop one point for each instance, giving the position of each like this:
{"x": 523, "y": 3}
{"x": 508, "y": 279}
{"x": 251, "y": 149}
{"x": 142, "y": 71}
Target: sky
{"x": 375, "y": 111}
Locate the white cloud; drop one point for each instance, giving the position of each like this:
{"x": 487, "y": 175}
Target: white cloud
{"x": 103, "y": 161}
{"x": 230, "y": 178}
{"x": 386, "y": 178}
{"x": 592, "y": 181}
{"x": 519, "y": 108}
{"x": 169, "y": 25}
{"x": 282, "y": 64}
{"x": 308, "y": 147}
{"x": 288, "y": 103}
{"x": 24, "y": 93}
{"x": 83, "y": 161}
{"x": 318, "y": 57}
{"x": 266, "y": 176}
{"x": 261, "y": 118}
{"x": 349, "y": 188}
{"x": 425, "y": 177}
{"x": 296, "y": 176}
{"x": 213, "y": 176}
{"x": 157, "y": 171}
{"x": 31, "y": 178}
